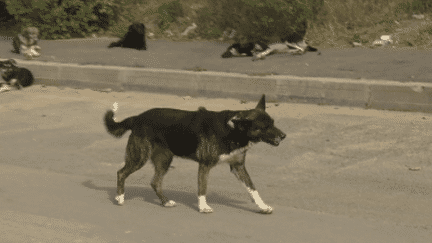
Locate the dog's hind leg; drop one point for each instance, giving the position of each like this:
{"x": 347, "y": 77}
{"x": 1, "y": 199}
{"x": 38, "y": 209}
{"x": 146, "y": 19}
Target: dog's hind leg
{"x": 239, "y": 170}
{"x": 161, "y": 159}
{"x": 137, "y": 153}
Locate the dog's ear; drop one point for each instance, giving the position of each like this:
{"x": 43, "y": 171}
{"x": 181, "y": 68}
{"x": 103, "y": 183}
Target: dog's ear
{"x": 261, "y": 104}
{"x": 239, "y": 122}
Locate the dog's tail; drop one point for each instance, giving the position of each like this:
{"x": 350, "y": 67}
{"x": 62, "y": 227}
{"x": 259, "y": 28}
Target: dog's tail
{"x": 117, "y": 129}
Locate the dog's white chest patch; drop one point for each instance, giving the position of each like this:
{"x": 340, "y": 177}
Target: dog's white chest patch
{"x": 235, "y": 155}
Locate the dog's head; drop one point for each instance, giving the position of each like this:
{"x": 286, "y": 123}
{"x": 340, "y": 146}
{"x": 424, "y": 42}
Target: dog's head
{"x": 30, "y": 36}
{"x": 31, "y": 33}
{"x": 7, "y": 67}
{"x": 8, "y": 64}
{"x": 232, "y": 51}
{"x": 137, "y": 27}
{"x": 257, "y": 125}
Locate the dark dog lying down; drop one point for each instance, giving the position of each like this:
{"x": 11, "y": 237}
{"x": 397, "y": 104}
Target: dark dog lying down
{"x": 134, "y": 38}
{"x": 248, "y": 49}
{"x": 15, "y": 76}
{"x": 208, "y": 137}
{"x": 259, "y": 50}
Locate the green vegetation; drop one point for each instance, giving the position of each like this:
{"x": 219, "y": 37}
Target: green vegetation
{"x": 330, "y": 22}
{"x": 64, "y": 18}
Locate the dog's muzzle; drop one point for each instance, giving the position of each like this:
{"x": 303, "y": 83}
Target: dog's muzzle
{"x": 277, "y": 140}
{"x": 277, "y": 137}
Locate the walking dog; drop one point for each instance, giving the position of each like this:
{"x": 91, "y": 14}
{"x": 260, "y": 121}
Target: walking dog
{"x": 207, "y": 137}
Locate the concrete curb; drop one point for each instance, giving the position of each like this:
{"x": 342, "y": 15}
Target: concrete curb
{"x": 375, "y": 94}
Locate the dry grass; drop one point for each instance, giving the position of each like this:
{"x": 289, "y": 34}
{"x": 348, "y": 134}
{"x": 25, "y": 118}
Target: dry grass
{"x": 341, "y": 22}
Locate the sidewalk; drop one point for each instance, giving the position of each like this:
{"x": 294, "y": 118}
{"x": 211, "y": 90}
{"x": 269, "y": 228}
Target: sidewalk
{"x": 354, "y": 77}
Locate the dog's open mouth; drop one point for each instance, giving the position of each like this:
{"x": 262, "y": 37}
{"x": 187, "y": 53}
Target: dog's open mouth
{"x": 275, "y": 141}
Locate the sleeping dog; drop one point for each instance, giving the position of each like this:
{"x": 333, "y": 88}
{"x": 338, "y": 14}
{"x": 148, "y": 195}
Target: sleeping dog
{"x": 14, "y": 76}
{"x": 298, "y": 48}
{"x": 248, "y": 49}
{"x": 207, "y": 137}
{"x": 260, "y": 50}
{"x": 291, "y": 42}
{"x": 134, "y": 38}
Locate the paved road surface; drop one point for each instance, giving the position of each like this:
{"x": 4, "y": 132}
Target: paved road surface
{"x": 341, "y": 175}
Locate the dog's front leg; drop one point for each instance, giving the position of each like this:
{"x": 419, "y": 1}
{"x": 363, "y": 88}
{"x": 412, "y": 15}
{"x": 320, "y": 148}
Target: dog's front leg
{"x": 239, "y": 170}
{"x": 203, "y": 173}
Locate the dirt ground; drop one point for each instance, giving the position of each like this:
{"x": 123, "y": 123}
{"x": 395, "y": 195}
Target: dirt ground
{"x": 341, "y": 175}
{"x": 399, "y": 64}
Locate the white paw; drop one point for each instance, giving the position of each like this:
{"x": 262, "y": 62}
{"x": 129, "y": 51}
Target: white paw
{"x": 203, "y": 206}
{"x": 120, "y": 199}
{"x": 266, "y": 210}
{"x": 170, "y": 203}
{"x": 5, "y": 88}
{"x": 206, "y": 210}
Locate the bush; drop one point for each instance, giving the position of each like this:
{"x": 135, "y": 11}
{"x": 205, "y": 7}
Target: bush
{"x": 168, "y": 13}
{"x": 57, "y": 19}
{"x": 257, "y": 19}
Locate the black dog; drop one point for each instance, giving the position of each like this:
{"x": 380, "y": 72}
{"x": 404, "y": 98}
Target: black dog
{"x": 15, "y": 76}
{"x": 247, "y": 49}
{"x": 134, "y": 38}
{"x": 207, "y": 137}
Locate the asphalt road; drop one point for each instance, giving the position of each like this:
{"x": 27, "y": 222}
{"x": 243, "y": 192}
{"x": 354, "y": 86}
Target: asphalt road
{"x": 341, "y": 175}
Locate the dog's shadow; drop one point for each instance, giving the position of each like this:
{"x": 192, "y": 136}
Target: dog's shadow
{"x": 180, "y": 197}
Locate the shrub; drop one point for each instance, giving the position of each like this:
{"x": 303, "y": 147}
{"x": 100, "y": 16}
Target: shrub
{"x": 168, "y": 13}
{"x": 257, "y": 19}
{"x": 57, "y": 19}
